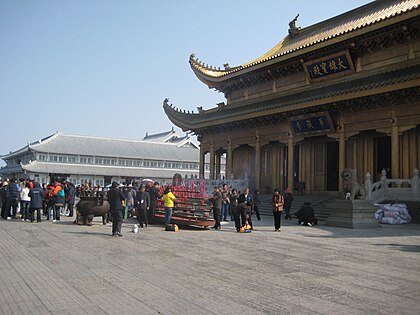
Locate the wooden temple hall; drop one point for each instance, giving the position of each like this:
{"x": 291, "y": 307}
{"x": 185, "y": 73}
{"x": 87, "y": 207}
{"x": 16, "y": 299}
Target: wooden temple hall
{"x": 343, "y": 93}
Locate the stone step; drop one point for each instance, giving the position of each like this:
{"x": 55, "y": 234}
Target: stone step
{"x": 318, "y": 202}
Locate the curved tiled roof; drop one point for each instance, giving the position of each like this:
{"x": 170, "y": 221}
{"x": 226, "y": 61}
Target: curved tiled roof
{"x": 351, "y": 21}
{"x": 363, "y": 82}
{"x": 61, "y": 143}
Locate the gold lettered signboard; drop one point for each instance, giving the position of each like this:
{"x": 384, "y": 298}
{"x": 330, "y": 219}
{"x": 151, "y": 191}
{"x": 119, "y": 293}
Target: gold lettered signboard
{"x": 329, "y": 67}
{"x": 312, "y": 124}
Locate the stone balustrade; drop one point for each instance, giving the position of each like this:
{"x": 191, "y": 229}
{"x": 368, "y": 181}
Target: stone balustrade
{"x": 385, "y": 188}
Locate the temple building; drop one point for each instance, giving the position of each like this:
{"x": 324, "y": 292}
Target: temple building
{"x": 343, "y": 93}
{"x": 100, "y": 160}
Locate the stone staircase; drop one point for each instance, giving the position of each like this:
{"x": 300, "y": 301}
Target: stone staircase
{"x": 320, "y": 204}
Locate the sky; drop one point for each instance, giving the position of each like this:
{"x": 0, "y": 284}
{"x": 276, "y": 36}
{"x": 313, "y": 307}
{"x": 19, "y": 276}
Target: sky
{"x": 104, "y": 67}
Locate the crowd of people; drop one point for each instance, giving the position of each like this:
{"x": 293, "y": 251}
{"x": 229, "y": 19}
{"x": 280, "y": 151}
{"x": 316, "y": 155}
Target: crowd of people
{"x": 28, "y": 201}
{"x": 241, "y": 206}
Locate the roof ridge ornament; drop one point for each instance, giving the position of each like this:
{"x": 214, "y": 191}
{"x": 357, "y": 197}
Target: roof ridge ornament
{"x": 293, "y": 29}
{"x": 226, "y": 65}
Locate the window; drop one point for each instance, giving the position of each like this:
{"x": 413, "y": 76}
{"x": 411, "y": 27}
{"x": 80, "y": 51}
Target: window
{"x": 85, "y": 160}
{"x": 42, "y": 157}
{"x": 121, "y": 162}
{"x": 129, "y": 163}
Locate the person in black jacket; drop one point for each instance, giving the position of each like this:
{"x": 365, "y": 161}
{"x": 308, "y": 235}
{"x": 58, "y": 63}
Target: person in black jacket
{"x": 115, "y": 199}
{"x": 70, "y": 198}
{"x": 12, "y": 196}
{"x": 288, "y": 199}
{"x": 3, "y": 199}
{"x": 142, "y": 204}
{"x": 245, "y": 199}
{"x": 36, "y": 203}
{"x": 154, "y": 194}
{"x": 216, "y": 201}
{"x": 306, "y": 215}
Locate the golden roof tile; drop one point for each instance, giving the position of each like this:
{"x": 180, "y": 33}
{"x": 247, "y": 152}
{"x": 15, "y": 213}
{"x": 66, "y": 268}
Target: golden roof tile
{"x": 351, "y": 21}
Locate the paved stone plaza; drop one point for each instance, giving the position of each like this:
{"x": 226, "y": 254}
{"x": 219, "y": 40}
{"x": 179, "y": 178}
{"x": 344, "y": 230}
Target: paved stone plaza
{"x": 68, "y": 269}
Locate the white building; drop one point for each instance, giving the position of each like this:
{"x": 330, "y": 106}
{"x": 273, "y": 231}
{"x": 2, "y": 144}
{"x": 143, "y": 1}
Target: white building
{"x": 99, "y": 160}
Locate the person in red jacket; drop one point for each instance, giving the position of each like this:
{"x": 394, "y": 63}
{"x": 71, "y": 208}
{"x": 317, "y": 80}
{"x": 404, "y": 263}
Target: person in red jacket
{"x": 59, "y": 200}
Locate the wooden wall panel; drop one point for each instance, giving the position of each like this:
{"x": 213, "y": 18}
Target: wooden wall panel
{"x": 409, "y": 152}
{"x": 319, "y": 166}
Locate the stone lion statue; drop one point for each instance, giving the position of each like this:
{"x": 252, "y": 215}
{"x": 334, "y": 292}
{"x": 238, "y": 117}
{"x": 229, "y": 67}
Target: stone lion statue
{"x": 351, "y": 185}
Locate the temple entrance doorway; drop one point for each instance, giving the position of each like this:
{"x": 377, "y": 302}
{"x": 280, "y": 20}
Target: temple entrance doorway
{"x": 244, "y": 163}
{"x": 273, "y": 167}
{"x": 332, "y": 175}
{"x": 382, "y": 157}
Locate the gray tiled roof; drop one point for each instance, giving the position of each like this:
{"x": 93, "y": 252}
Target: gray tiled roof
{"x": 61, "y": 143}
{"x": 160, "y": 137}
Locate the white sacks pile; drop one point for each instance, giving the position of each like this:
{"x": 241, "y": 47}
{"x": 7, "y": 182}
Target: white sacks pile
{"x": 393, "y": 213}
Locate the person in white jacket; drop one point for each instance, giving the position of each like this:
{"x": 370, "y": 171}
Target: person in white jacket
{"x": 25, "y": 202}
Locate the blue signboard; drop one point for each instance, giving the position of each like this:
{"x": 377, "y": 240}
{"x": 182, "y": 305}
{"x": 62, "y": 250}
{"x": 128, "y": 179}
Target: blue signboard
{"x": 315, "y": 123}
{"x": 330, "y": 66}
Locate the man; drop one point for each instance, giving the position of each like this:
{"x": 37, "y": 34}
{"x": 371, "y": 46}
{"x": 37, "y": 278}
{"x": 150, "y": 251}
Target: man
{"x": 246, "y": 199}
{"x": 154, "y": 195}
{"x": 115, "y": 199}
{"x": 3, "y": 199}
{"x": 142, "y": 205}
{"x": 288, "y": 199}
{"x": 70, "y": 198}
{"x": 216, "y": 201}
{"x": 225, "y": 202}
{"x": 130, "y": 196}
{"x": 12, "y": 197}
{"x": 37, "y": 199}
{"x": 306, "y": 215}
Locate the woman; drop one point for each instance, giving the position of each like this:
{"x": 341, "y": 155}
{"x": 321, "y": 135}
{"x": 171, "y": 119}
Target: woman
{"x": 25, "y": 201}
{"x": 168, "y": 202}
{"x": 277, "y": 203}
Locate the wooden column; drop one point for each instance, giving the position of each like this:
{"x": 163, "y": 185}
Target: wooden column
{"x": 290, "y": 158}
{"x": 211, "y": 176}
{"x": 395, "y": 150}
{"x": 341, "y": 156}
{"x": 257, "y": 162}
{"x": 229, "y": 161}
{"x": 218, "y": 164}
{"x": 202, "y": 162}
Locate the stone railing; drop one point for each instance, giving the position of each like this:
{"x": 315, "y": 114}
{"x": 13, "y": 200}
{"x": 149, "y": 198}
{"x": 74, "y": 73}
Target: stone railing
{"x": 385, "y": 188}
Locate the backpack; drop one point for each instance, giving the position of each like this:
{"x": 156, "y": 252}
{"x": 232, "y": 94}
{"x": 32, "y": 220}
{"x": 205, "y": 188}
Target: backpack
{"x": 61, "y": 193}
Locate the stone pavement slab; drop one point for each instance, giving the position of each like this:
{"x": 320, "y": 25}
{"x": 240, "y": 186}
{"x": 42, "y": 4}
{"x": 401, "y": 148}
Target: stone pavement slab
{"x": 69, "y": 269}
